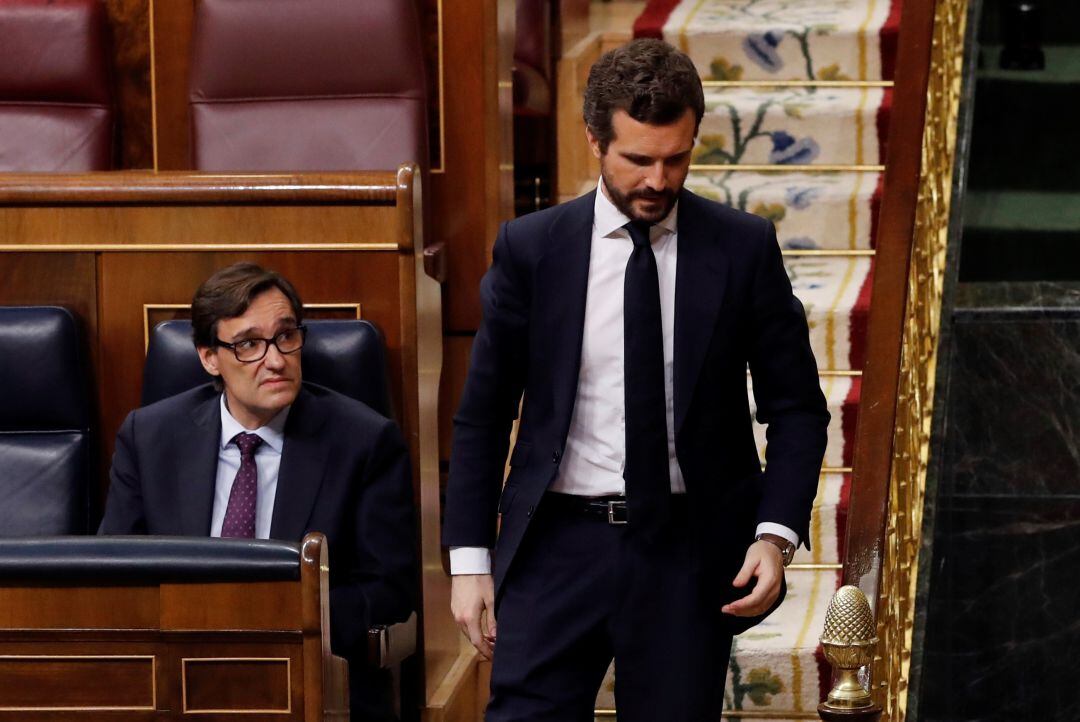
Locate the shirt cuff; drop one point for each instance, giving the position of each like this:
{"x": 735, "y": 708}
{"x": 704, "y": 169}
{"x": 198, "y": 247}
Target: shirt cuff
{"x": 765, "y": 527}
{"x": 470, "y": 560}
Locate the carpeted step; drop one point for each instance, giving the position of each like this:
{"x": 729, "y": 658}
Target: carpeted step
{"x": 842, "y": 398}
{"x": 835, "y": 211}
{"x": 794, "y": 126}
{"x": 779, "y": 39}
{"x": 835, "y": 292}
{"x": 827, "y": 521}
{"x": 778, "y": 665}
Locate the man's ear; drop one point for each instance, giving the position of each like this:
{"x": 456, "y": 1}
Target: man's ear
{"x": 594, "y": 142}
{"x": 209, "y": 358}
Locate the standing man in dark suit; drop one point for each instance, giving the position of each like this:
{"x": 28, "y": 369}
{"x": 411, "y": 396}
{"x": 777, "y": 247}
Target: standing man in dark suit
{"x": 637, "y": 522}
{"x": 259, "y": 454}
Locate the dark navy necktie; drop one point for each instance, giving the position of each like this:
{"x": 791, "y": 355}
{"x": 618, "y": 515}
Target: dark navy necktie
{"x": 648, "y": 480}
{"x": 240, "y": 513}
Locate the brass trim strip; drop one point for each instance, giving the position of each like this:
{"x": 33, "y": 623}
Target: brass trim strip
{"x": 778, "y": 168}
{"x": 797, "y": 83}
{"x": 828, "y": 470}
{"x": 183, "y": 684}
{"x": 441, "y": 168}
{"x": 146, "y": 247}
{"x": 829, "y": 252}
{"x": 780, "y": 714}
{"x": 812, "y": 567}
{"x": 106, "y": 657}
{"x": 832, "y": 372}
{"x": 153, "y": 90}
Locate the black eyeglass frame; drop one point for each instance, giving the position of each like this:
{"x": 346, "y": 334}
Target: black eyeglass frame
{"x": 266, "y": 344}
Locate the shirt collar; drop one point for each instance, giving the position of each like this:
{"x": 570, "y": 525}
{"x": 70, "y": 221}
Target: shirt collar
{"x": 607, "y": 218}
{"x": 273, "y": 434}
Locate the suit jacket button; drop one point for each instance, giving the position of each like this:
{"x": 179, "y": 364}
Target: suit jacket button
{"x": 531, "y": 510}
{"x": 556, "y": 457}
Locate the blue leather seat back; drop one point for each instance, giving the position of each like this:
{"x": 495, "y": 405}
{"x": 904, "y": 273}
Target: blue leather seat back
{"x": 344, "y": 355}
{"x": 45, "y": 460}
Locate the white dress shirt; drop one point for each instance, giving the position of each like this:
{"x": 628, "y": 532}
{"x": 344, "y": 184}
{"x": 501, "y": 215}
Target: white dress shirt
{"x": 595, "y": 454}
{"x": 267, "y": 462}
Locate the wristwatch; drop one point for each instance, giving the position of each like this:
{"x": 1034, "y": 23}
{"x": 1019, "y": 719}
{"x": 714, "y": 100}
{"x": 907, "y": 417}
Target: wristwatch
{"x": 787, "y": 549}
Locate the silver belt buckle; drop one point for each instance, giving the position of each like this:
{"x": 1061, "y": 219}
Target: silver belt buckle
{"x": 611, "y": 507}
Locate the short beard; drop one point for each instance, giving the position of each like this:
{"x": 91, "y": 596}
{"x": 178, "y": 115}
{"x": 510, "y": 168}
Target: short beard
{"x": 624, "y": 201}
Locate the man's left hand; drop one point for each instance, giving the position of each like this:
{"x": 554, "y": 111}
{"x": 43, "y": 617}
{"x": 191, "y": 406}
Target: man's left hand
{"x": 764, "y": 561}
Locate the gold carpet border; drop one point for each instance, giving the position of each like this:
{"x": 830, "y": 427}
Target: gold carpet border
{"x": 915, "y": 392}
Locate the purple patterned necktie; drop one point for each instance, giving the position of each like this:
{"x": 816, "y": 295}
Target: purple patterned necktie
{"x": 240, "y": 513}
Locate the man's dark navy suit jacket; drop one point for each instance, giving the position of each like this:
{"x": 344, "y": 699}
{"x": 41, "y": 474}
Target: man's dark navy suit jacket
{"x": 345, "y": 472}
{"x": 734, "y": 307}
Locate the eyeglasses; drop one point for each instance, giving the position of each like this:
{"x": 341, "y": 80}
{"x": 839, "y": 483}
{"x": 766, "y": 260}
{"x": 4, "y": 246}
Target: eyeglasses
{"x": 250, "y": 350}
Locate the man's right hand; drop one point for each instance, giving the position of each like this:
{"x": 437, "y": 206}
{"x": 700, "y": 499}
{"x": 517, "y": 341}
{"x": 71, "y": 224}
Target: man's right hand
{"x": 472, "y": 602}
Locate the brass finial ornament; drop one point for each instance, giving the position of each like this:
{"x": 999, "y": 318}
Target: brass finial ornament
{"x": 849, "y": 642}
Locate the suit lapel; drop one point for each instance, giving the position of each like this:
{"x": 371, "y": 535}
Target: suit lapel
{"x": 196, "y": 467}
{"x": 700, "y": 278}
{"x": 564, "y": 270}
{"x": 303, "y": 462}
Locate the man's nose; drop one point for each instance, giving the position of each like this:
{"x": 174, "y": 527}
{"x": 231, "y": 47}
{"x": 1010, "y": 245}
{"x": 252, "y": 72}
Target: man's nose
{"x": 274, "y": 358}
{"x": 654, "y": 177}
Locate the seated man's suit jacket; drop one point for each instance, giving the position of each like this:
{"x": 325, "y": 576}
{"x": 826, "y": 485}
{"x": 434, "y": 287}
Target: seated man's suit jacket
{"x": 734, "y": 307}
{"x": 345, "y": 472}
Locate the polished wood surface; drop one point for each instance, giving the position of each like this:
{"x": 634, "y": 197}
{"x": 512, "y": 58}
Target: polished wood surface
{"x": 170, "y": 30}
{"x": 145, "y": 651}
{"x": 473, "y": 192}
{"x": 129, "y": 23}
{"x": 877, "y": 407}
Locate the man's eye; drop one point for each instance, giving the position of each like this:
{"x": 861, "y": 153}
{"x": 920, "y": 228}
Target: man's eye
{"x": 247, "y": 345}
{"x": 288, "y": 335}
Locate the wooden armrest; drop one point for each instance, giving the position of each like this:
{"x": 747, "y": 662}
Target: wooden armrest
{"x": 390, "y": 644}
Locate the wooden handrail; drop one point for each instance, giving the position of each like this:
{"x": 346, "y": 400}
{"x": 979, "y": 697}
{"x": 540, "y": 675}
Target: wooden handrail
{"x": 877, "y": 408}
{"x": 183, "y": 187}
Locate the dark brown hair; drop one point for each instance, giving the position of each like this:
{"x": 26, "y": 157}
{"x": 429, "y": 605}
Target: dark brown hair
{"x": 228, "y": 293}
{"x": 649, "y": 79}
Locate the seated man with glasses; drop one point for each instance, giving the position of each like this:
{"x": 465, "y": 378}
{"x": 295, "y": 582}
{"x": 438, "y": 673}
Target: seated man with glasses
{"x": 260, "y": 454}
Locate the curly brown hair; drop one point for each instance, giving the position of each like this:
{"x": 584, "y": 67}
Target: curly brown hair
{"x": 649, "y": 79}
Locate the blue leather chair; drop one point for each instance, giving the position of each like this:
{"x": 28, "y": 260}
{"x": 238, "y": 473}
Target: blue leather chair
{"x": 344, "y": 355}
{"x": 45, "y": 457}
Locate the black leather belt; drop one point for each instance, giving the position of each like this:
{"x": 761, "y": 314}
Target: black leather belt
{"x": 610, "y": 508}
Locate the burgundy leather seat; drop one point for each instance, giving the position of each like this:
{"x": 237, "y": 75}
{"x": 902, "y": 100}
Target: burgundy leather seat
{"x": 55, "y": 103}
{"x": 307, "y": 85}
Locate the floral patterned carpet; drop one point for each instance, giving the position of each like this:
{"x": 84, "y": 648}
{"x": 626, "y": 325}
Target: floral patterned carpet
{"x": 806, "y": 154}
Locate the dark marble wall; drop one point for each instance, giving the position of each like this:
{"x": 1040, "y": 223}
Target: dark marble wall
{"x": 1002, "y": 616}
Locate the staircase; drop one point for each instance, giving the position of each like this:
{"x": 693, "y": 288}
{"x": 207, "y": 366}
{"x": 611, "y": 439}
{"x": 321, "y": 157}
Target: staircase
{"x": 798, "y": 97}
